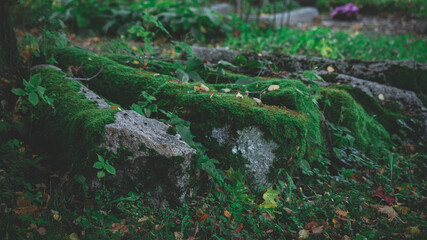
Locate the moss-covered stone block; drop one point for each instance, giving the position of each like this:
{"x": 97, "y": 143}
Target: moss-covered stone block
{"x": 342, "y": 110}
{"x": 80, "y": 125}
{"x": 383, "y": 115}
{"x": 206, "y": 111}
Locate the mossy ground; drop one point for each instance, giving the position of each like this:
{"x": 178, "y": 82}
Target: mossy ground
{"x": 76, "y": 125}
{"x": 289, "y": 116}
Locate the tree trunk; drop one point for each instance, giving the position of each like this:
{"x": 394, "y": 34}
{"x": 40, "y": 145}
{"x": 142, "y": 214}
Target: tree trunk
{"x": 9, "y": 56}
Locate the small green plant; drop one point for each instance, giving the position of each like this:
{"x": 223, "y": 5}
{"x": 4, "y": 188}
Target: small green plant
{"x": 33, "y": 90}
{"x": 103, "y": 166}
{"x": 147, "y": 106}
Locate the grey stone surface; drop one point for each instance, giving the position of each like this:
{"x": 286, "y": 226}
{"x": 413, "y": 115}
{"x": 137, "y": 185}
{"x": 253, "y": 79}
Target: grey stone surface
{"x": 141, "y": 136}
{"x": 405, "y": 97}
{"x": 356, "y": 73}
{"x": 222, "y": 8}
{"x": 301, "y": 15}
{"x": 252, "y": 145}
{"x": 93, "y": 97}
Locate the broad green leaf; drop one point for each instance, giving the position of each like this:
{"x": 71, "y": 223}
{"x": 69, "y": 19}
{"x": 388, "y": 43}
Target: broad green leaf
{"x": 100, "y": 174}
{"x": 19, "y": 92}
{"x": 33, "y": 98}
{"x": 182, "y": 76}
{"x": 183, "y": 46}
{"x": 195, "y": 77}
{"x": 291, "y": 183}
{"x": 185, "y": 133}
{"x": 305, "y": 167}
{"x": 254, "y": 64}
{"x": 98, "y": 165}
{"x": 240, "y": 60}
{"x": 100, "y": 158}
{"x": 226, "y": 64}
{"x": 36, "y": 80}
{"x": 110, "y": 169}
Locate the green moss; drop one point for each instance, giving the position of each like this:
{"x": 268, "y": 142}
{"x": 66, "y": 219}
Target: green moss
{"x": 286, "y": 127}
{"x": 157, "y": 66}
{"x": 342, "y": 110}
{"x": 124, "y": 83}
{"x": 119, "y": 83}
{"x": 75, "y": 126}
{"x": 384, "y": 116}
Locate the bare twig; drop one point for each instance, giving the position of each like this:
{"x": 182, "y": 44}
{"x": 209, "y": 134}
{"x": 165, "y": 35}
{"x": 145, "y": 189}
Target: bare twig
{"x": 69, "y": 78}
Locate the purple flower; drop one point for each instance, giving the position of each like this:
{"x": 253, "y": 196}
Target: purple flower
{"x": 347, "y": 12}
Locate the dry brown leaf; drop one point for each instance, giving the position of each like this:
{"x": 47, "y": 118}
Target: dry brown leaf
{"x": 269, "y": 231}
{"x": 357, "y": 27}
{"x": 341, "y": 212}
{"x": 238, "y": 228}
{"x": 157, "y": 227}
{"x": 346, "y": 238}
{"x": 203, "y": 218}
{"x": 227, "y": 214}
{"x": 116, "y": 108}
{"x": 24, "y": 207}
{"x": 303, "y": 234}
{"x": 41, "y": 231}
{"x": 310, "y": 225}
{"x": 199, "y": 212}
{"x": 317, "y": 230}
{"x": 201, "y": 88}
{"x": 267, "y": 215}
{"x": 143, "y": 219}
{"x": 178, "y": 235}
{"x": 257, "y": 100}
{"x": 388, "y": 210}
{"x": 288, "y": 210}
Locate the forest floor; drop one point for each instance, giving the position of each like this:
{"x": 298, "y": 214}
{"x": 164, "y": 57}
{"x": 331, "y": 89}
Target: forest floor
{"x": 354, "y": 196}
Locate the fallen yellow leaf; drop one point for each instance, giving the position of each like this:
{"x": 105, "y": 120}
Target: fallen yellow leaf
{"x": 336, "y": 223}
{"x": 414, "y": 230}
{"x": 227, "y": 214}
{"x": 73, "y": 236}
{"x": 330, "y": 69}
{"x": 273, "y": 88}
{"x": 56, "y": 217}
{"x": 135, "y": 62}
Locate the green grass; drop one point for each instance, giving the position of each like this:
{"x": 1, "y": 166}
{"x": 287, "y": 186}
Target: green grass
{"x": 323, "y": 42}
